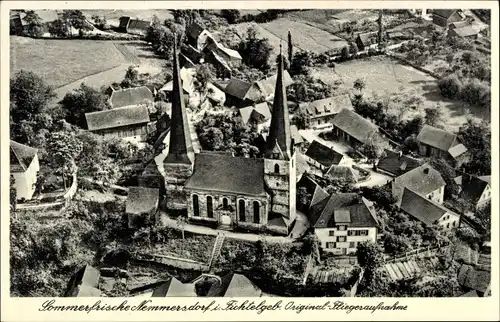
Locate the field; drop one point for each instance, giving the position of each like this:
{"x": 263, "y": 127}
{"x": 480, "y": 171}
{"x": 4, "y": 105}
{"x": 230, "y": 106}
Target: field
{"x": 61, "y": 62}
{"x": 113, "y": 16}
{"x": 383, "y": 75}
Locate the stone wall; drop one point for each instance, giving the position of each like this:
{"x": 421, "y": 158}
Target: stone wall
{"x": 176, "y": 176}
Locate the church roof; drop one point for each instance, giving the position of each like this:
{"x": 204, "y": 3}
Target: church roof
{"x": 180, "y": 147}
{"x": 218, "y": 172}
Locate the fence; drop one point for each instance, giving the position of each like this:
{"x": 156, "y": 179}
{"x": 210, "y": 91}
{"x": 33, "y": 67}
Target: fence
{"x": 413, "y": 253}
{"x": 409, "y": 63}
{"x": 178, "y": 262}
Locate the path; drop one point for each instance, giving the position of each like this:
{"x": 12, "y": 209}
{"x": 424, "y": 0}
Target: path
{"x": 376, "y": 178}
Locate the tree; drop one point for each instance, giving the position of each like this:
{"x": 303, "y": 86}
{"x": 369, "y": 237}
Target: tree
{"x": 58, "y": 28}
{"x": 181, "y": 224}
{"x": 13, "y": 194}
{"x": 77, "y": 20}
{"x": 83, "y": 100}
{"x": 434, "y": 116}
{"x": 307, "y": 89}
{"x": 476, "y": 136}
{"x": 301, "y": 119}
{"x": 353, "y": 49}
{"x": 64, "y": 147}
{"x": 132, "y": 74}
{"x": 450, "y": 86}
{"x": 255, "y": 52}
{"x": 99, "y": 21}
{"x": 303, "y": 198}
{"x": 359, "y": 84}
{"x": 203, "y": 76}
{"x": 370, "y": 257}
{"x": 34, "y": 26}
{"x": 374, "y": 148}
{"x": 311, "y": 243}
{"x": 231, "y": 15}
{"x": 290, "y": 47}
{"x": 300, "y": 62}
{"x": 286, "y": 62}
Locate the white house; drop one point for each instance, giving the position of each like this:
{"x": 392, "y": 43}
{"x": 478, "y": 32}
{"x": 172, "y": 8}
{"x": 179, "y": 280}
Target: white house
{"x": 424, "y": 180}
{"x": 24, "y": 167}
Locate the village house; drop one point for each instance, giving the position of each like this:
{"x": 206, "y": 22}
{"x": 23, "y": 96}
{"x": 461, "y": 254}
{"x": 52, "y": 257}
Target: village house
{"x": 134, "y": 26}
{"x": 424, "y": 180}
{"x": 187, "y": 80}
{"x": 323, "y": 111}
{"x": 171, "y": 287}
{"x": 396, "y": 163}
{"x": 468, "y": 32}
{"x": 241, "y": 94}
{"x": 18, "y": 22}
{"x": 128, "y": 123}
{"x": 230, "y": 56}
{"x": 258, "y": 113}
{"x": 313, "y": 190}
{"x": 344, "y": 173}
{"x": 322, "y": 158}
{"x": 444, "y": 17}
{"x": 343, "y": 221}
{"x": 434, "y": 142}
{"x": 142, "y": 205}
{"x": 266, "y": 85}
{"x": 367, "y": 40}
{"x": 197, "y": 36}
{"x": 222, "y": 68}
{"x": 475, "y": 190}
{"x": 131, "y": 97}
{"x": 427, "y": 210}
{"x": 24, "y": 167}
{"x": 225, "y": 191}
{"x": 353, "y": 128}
{"x": 84, "y": 283}
{"x": 234, "y": 285}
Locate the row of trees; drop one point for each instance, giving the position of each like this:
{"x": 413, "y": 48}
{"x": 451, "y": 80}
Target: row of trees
{"x": 62, "y": 27}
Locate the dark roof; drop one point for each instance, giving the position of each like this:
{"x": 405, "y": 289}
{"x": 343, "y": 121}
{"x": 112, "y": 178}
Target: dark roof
{"x": 224, "y": 173}
{"x": 368, "y": 38}
{"x": 139, "y": 24}
{"x": 131, "y": 96}
{"x": 445, "y": 13}
{"x": 234, "y": 285}
{"x": 423, "y": 179}
{"x": 356, "y": 211}
{"x": 438, "y": 138}
{"x": 237, "y": 88}
{"x": 117, "y": 117}
{"x": 329, "y": 105}
{"x": 194, "y": 30}
{"x": 475, "y": 279}
{"x": 466, "y": 31}
{"x": 421, "y": 208}
{"x": 180, "y": 146}
{"x": 324, "y": 155}
{"x": 472, "y": 187}
{"x": 397, "y": 165}
{"x": 173, "y": 287}
{"x": 355, "y": 125}
{"x": 142, "y": 200}
{"x": 343, "y": 172}
{"x": 124, "y": 22}
{"x": 21, "y": 156}
{"x": 84, "y": 282}
{"x": 313, "y": 188}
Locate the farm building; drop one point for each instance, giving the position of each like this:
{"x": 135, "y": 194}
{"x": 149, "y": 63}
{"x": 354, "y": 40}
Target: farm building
{"x": 142, "y": 205}
{"x": 24, "y": 167}
{"x": 459, "y": 24}
{"x": 396, "y": 164}
{"x": 240, "y": 93}
{"x": 428, "y": 211}
{"x": 476, "y": 190}
{"x": 84, "y": 283}
{"x": 343, "y": 221}
{"x": 322, "y": 158}
{"x": 234, "y": 285}
{"x": 439, "y": 143}
{"x": 464, "y": 32}
{"x": 444, "y": 17}
{"x": 222, "y": 68}
{"x": 266, "y": 85}
{"x": 18, "y": 21}
{"x": 258, "y": 113}
{"x": 424, "y": 180}
{"x": 130, "y": 123}
{"x": 130, "y": 97}
{"x": 134, "y": 26}
{"x": 324, "y": 110}
{"x": 313, "y": 189}
{"x": 230, "y": 56}
{"x": 367, "y": 40}
{"x": 353, "y": 128}
{"x": 343, "y": 173}
{"x": 197, "y": 36}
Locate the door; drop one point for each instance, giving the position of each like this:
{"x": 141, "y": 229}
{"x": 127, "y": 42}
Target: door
{"x": 225, "y": 220}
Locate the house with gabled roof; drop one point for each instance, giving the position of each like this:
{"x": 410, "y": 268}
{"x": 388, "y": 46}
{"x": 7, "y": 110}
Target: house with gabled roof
{"x": 444, "y": 17}
{"x": 324, "y": 110}
{"x": 266, "y": 85}
{"x": 129, "y": 123}
{"x": 134, "y": 26}
{"x": 234, "y": 285}
{"x": 313, "y": 189}
{"x": 230, "y": 56}
{"x": 439, "y": 143}
{"x": 424, "y": 180}
{"x": 322, "y": 158}
{"x": 428, "y": 211}
{"x": 197, "y": 36}
{"x": 344, "y": 220}
{"x": 131, "y": 97}
{"x": 354, "y": 129}
{"x": 476, "y": 190}
{"x": 84, "y": 283}
{"x": 396, "y": 163}
{"x": 258, "y": 113}
{"x": 241, "y": 94}
{"x": 468, "y": 32}
{"x": 367, "y": 40}
{"x": 24, "y": 167}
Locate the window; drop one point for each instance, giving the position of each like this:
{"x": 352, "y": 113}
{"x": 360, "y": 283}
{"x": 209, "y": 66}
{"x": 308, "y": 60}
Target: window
{"x": 363, "y": 232}
{"x": 196, "y": 206}
{"x": 276, "y": 168}
{"x": 342, "y": 227}
{"x": 331, "y": 233}
{"x": 331, "y": 245}
{"x": 210, "y": 208}
{"x": 341, "y": 239}
{"x": 454, "y": 224}
{"x": 447, "y": 225}
{"x": 352, "y": 245}
{"x": 276, "y": 155}
{"x": 224, "y": 203}
{"x": 350, "y": 232}
{"x": 241, "y": 209}
{"x": 256, "y": 212}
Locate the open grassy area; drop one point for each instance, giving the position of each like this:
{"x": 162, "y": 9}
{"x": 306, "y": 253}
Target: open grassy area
{"x": 61, "y": 62}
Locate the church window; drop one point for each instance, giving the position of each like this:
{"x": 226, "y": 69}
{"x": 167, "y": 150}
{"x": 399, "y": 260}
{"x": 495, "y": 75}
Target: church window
{"x": 196, "y": 206}
{"x": 241, "y": 209}
{"x": 276, "y": 168}
{"x": 256, "y": 212}
{"x": 210, "y": 208}
{"x": 224, "y": 203}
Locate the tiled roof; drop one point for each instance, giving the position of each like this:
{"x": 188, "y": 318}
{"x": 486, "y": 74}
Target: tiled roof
{"x": 117, "y": 117}
{"x": 457, "y": 150}
{"x": 361, "y": 211}
{"x": 223, "y": 173}
{"x": 267, "y": 85}
{"x": 131, "y": 96}
{"x": 475, "y": 279}
{"x": 472, "y": 187}
{"x": 173, "y": 287}
{"x": 194, "y": 30}
{"x": 263, "y": 109}
{"x": 21, "y": 156}
{"x": 234, "y": 285}
{"x": 368, "y": 38}
{"x": 421, "y": 208}
{"x": 139, "y": 24}
{"x": 343, "y": 172}
{"x": 330, "y": 105}
{"x": 397, "y": 165}
{"x": 459, "y": 24}
{"x": 423, "y": 179}
{"x": 355, "y": 125}
{"x": 445, "y": 13}
{"x": 313, "y": 188}
{"x": 438, "y": 138}
{"x": 466, "y": 31}
{"x": 323, "y": 154}
{"x": 142, "y": 200}
{"x": 84, "y": 282}
{"x": 237, "y": 88}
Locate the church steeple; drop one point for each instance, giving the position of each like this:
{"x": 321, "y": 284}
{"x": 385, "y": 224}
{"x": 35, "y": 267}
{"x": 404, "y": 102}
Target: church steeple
{"x": 279, "y": 138}
{"x": 180, "y": 147}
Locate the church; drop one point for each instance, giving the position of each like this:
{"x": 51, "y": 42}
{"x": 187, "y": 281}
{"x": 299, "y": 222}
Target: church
{"x": 223, "y": 191}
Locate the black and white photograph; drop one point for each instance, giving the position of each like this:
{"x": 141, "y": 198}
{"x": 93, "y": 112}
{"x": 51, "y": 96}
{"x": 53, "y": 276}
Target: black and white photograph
{"x": 232, "y": 153}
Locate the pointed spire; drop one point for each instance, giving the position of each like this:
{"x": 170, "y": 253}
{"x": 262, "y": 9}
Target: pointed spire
{"x": 181, "y": 147}
{"x": 279, "y": 132}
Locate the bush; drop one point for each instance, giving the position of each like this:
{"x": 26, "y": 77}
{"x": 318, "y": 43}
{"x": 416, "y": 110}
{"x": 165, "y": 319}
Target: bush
{"x": 450, "y": 86}
{"x": 476, "y": 92}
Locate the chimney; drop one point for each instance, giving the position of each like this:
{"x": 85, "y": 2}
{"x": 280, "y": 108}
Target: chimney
{"x": 426, "y": 170}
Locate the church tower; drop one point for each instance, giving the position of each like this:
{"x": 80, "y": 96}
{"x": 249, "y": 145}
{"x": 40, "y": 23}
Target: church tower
{"x": 279, "y": 157}
{"x": 178, "y": 164}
